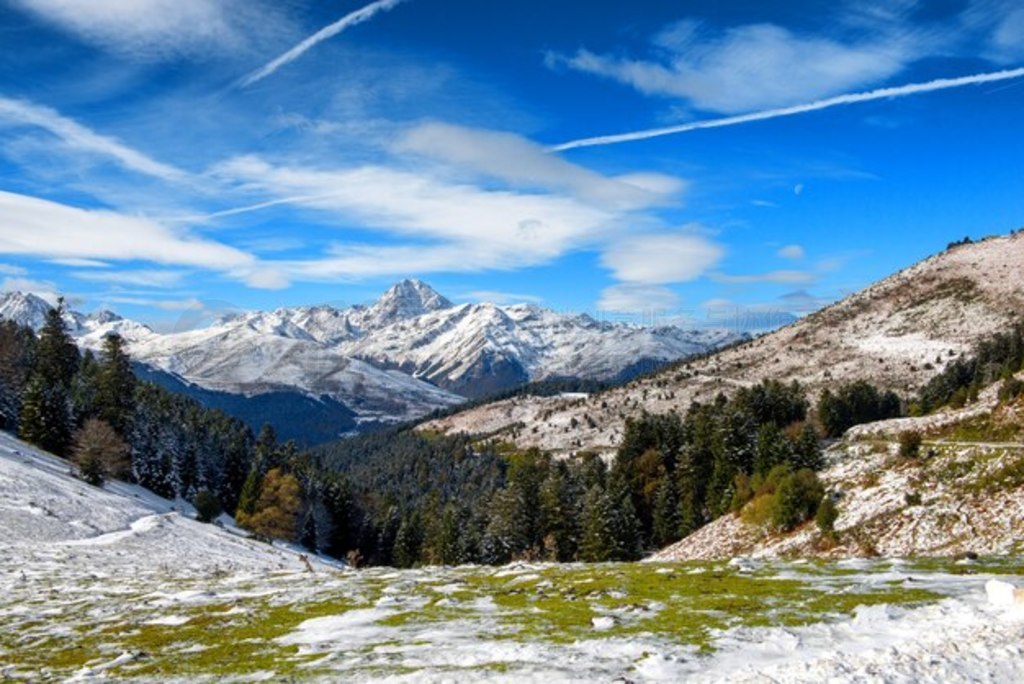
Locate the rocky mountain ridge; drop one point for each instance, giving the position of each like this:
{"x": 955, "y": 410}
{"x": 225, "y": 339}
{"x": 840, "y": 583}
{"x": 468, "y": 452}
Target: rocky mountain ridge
{"x": 896, "y": 333}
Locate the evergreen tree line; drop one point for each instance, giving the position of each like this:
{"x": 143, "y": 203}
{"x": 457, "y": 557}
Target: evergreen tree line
{"x": 997, "y": 357}
{"x": 416, "y": 498}
{"x": 92, "y": 408}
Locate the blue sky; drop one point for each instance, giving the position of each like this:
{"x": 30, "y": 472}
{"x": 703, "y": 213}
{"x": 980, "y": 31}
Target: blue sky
{"x": 162, "y": 157}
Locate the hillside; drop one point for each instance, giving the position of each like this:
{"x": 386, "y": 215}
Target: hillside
{"x": 963, "y": 495}
{"x": 49, "y": 517}
{"x": 897, "y": 334}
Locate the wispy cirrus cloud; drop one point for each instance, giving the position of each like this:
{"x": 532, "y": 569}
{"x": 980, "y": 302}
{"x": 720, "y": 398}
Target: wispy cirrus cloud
{"x": 749, "y": 67}
{"x": 40, "y": 228}
{"x": 501, "y": 298}
{"x": 17, "y": 112}
{"x": 188, "y": 304}
{"x": 514, "y": 159}
{"x": 783, "y": 277}
{"x": 353, "y": 18}
{"x": 635, "y": 299}
{"x": 137, "y": 278}
{"x": 662, "y": 257}
{"x": 152, "y": 30}
{"x": 793, "y": 252}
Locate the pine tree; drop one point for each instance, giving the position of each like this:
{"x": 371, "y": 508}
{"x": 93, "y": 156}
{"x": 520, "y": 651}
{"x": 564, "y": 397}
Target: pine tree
{"x": 690, "y": 489}
{"x": 626, "y": 526}
{"x": 46, "y": 416}
{"x": 56, "y": 356}
{"x": 448, "y": 550}
{"x": 556, "y": 516}
{"x": 115, "y": 385}
{"x": 598, "y": 540}
{"x": 770, "y": 449}
{"x": 666, "y": 514}
{"x": 249, "y": 497}
{"x": 408, "y": 541}
{"x": 266, "y": 448}
{"x": 47, "y": 419}
{"x": 340, "y": 534}
{"x": 17, "y": 358}
{"x": 807, "y": 450}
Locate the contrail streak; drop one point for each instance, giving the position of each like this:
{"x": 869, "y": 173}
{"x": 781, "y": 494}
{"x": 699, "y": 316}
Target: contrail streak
{"x": 79, "y": 137}
{"x": 329, "y": 31}
{"x": 851, "y": 98}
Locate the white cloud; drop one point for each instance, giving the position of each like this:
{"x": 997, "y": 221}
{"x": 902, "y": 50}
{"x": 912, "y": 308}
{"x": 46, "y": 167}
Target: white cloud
{"x": 80, "y": 138}
{"x": 785, "y": 277}
{"x": 75, "y": 262}
{"x": 661, "y": 258}
{"x": 9, "y": 269}
{"x": 138, "y": 278}
{"x": 794, "y": 252}
{"x": 329, "y": 31}
{"x": 35, "y": 227}
{"x": 637, "y": 299}
{"x": 151, "y": 29}
{"x": 190, "y": 304}
{"x": 751, "y": 67}
{"x": 500, "y": 298}
{"x": 455, "y": 226}
{"x": 516, "y": 160}
{"x": 1007, "y": 42}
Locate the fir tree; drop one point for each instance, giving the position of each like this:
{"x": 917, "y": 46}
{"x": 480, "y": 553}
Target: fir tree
{"x": 266, "y": 448}
{"x": 46, "y": 416}
{"x": 115, "y": 385}
{"x": 771, "y": 448}
{"x": 408, "y": 541}
{"x": 56, "y": 356}
{"x": 17, "y": 358}
{"x": 666, "y": 514}
{"x": 598, "y": 541}
{"x": 47, "y": 420}
{"x": 249, "y": 496}
{"x": 807, "y": 450}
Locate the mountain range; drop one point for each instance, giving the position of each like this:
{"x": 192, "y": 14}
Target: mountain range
{"x": 335, "y": 370}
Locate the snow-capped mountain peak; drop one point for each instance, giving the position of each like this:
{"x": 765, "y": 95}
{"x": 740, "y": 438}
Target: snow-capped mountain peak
{"x": 104, "y": 316}
{"x": 408, "y": 298}
{"x": 24, "y": 309}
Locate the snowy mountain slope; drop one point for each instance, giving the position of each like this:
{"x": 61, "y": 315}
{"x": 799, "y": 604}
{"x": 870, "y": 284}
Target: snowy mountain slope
{"x": 409, "y": 353}
{"x": 896, "y": 333}
{"x": 48, "y": 514}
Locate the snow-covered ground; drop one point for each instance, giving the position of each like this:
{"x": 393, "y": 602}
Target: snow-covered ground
{"x": 115, "y": 583}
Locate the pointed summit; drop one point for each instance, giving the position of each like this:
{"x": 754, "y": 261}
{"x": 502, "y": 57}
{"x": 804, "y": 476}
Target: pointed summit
{"x": 24, "y": 309}
{"x": 408, "y": 298}
{"x": 104, "y": 316}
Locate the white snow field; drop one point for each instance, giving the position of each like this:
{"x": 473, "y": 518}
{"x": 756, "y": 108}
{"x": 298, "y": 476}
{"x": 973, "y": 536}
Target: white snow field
{"x": 115, "y": 584}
